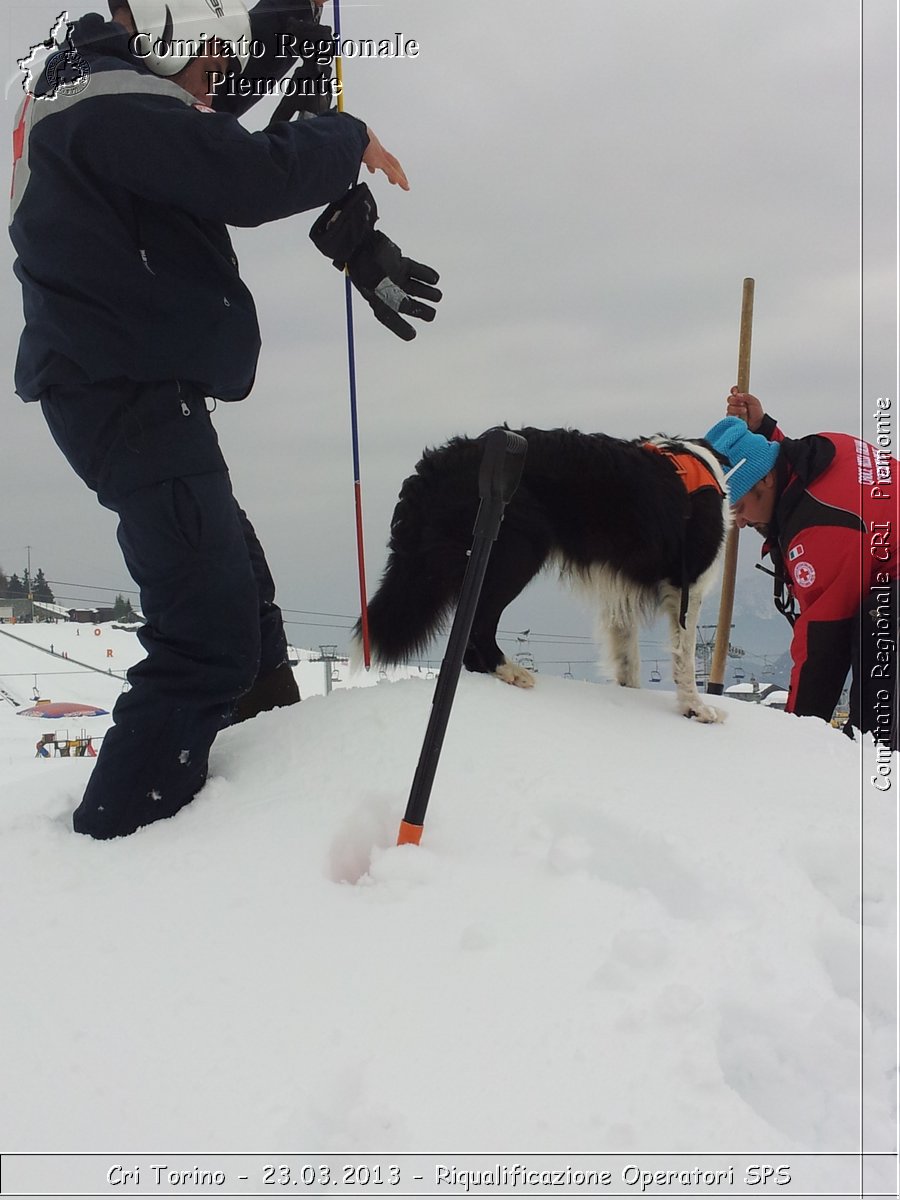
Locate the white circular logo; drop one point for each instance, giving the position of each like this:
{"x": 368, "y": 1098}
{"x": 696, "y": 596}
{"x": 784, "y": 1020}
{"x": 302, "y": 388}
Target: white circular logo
{"x": 804, "y": 574}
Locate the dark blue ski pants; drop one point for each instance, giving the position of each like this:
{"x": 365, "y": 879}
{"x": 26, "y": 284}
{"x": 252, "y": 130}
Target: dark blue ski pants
{"x": 212, "y": 626}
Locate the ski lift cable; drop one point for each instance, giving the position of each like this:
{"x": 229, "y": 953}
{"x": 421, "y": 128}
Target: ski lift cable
{"x": 541, "y": 639}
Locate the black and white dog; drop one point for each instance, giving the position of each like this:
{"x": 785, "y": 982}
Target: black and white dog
{"x": 640, "y": 525}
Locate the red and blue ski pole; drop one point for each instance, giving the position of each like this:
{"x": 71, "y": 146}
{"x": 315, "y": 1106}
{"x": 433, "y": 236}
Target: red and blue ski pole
{"x": 354, "y": 413}
{"x": 498, "y": 478}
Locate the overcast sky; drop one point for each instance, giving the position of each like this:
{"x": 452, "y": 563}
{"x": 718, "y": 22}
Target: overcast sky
{"x": 593, "y": 181}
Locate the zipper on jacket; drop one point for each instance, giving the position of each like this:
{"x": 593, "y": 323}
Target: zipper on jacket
{"x": 185, "y": 409}
{"x": 144, "y": 260}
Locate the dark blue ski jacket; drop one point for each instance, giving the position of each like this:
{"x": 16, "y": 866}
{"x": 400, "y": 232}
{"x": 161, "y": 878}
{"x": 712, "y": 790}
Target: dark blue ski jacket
{"x": 120, "y": 198}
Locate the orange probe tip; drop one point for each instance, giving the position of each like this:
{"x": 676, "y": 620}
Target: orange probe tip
{"x": 409, "y": 834}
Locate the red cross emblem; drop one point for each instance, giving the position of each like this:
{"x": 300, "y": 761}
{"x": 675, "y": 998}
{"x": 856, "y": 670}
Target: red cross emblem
{"x": 804, "y": 574}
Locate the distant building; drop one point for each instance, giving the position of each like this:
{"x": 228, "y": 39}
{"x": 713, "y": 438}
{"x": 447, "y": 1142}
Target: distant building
{"x": 21, "y": 611}
{"x": 771, "y": 695}
{"x": 774, "y": 695}
{"x": 91, "y": 616}
{"x": 24, "y": 610}
{"x": 44, "y": 610}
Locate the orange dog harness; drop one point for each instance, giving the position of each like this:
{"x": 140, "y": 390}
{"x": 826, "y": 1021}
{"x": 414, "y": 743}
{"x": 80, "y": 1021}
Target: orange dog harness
{"x": 693, "y": 472}
{"x": 695, "y": 475}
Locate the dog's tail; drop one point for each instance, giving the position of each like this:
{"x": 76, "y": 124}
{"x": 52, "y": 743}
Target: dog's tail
{"x": 427, "y": 558}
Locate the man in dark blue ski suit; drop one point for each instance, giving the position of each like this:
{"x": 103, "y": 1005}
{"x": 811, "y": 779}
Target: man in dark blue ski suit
{"x": 125, "y": 178}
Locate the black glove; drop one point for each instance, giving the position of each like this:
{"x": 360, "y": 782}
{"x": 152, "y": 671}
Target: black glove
{"x": 346, "y": 233}
{"x": 310, "y": 90}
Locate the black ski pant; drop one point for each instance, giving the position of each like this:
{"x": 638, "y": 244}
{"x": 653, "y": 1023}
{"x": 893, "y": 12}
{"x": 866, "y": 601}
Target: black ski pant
{"x": 874, "y": 696}
{"x": 213, "y": 631}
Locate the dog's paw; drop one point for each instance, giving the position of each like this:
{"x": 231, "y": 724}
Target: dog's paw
{"x": 706, "y": 714}
{"x": 514, "y": 674}
{"x": 630, "y": 681}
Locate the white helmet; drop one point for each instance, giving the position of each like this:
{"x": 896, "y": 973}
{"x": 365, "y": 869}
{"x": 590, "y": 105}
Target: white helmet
{"x": 171, "y": 32}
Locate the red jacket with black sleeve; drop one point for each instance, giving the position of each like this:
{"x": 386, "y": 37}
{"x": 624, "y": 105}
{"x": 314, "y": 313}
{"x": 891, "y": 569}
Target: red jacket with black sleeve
{"x": 833, "y": 541}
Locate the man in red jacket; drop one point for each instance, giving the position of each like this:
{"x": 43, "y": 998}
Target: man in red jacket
{"x": 828, "y": 507}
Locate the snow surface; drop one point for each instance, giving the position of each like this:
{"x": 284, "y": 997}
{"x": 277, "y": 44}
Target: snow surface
{"x": 623, "y": 930}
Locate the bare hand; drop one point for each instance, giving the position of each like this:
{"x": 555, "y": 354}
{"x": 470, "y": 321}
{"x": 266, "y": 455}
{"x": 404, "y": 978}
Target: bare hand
{"x": 377, "y": 158}
{"x": 745, "y": 406}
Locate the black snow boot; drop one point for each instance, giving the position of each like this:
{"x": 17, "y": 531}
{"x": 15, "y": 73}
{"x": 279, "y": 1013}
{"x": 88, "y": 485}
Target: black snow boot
{"x": 278, "y": 689}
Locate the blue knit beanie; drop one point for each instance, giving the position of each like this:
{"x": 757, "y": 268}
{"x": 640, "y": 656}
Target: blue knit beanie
{"x": 750, "y": 455}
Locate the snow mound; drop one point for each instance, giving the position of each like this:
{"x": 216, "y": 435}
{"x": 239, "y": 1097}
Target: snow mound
{"x": 623, "y": 930}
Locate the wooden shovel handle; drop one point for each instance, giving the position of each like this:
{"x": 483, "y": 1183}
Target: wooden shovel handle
{"x": 716, "y": 682}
